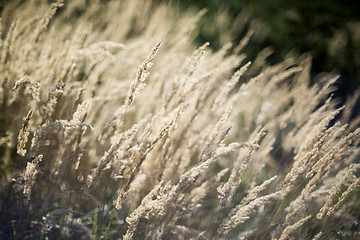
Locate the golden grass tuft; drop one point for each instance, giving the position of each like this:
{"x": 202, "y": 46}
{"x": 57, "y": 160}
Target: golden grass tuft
{"x": 205, "y": 146}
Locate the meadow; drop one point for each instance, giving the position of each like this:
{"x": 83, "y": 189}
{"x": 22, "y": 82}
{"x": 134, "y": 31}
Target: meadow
{"x": 114, "y": 124}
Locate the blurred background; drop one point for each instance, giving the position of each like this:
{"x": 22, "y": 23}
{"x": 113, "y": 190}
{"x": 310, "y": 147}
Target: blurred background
{"x": 329, "y": 30}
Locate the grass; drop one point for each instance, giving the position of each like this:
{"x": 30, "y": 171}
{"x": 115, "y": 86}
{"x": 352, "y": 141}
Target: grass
{"x": 114, "y": 125}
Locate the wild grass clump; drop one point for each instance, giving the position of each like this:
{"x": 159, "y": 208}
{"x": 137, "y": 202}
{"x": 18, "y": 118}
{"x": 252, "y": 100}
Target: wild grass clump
{"x": 114, "y": 126}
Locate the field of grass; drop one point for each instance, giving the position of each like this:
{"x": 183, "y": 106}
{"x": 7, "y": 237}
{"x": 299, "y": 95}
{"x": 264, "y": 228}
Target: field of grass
{"x": 115, "y": 125}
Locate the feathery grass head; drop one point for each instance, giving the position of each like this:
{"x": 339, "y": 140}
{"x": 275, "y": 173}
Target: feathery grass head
{"x": 212, "y": 148}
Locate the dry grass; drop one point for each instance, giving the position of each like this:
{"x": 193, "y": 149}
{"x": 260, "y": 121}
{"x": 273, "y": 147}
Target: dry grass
{"x": 114, "y": 126}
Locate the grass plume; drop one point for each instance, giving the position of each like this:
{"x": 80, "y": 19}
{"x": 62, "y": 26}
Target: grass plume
{"x": 211, "y": 148}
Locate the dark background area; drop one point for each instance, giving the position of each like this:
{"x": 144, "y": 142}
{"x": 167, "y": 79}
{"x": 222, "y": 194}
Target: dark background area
{"x": 329, "y": 30}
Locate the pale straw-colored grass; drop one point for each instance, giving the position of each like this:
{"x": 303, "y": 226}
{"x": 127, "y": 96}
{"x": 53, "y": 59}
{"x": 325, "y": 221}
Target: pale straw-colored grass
{"x": 114, "y": 125}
